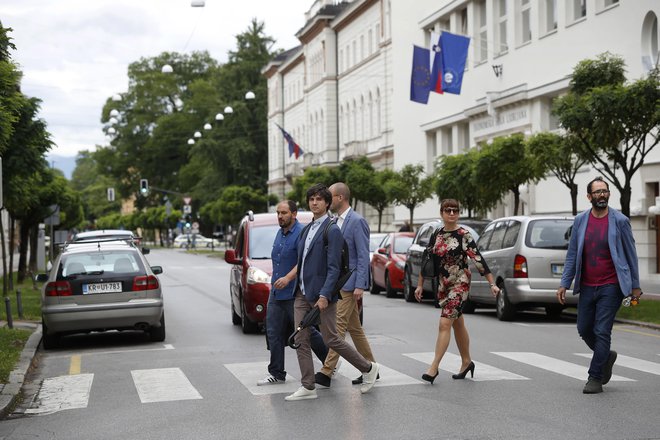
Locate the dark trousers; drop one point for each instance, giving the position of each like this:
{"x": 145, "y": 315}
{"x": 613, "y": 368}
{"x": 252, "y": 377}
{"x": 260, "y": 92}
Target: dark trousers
{"x": 597, "y": 308}
{"x": 279, "y": 325}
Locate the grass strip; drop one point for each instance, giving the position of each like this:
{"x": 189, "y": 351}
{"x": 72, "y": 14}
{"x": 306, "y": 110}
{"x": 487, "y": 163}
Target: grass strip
{"x": 12, "y": 342}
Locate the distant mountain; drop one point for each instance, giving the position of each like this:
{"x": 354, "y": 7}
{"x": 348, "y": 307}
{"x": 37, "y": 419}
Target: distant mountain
{"x": 64, "y": 163}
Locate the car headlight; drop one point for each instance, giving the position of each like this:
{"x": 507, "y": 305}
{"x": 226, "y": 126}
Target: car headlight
{"x": 400, "y": 264}
{"x": 255, "y": 276}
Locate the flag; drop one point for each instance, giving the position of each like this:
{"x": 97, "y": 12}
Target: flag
{"x": 294, "y": 148}
{"x": 454, "y": 55}
{"x": 436, "y": 69}
{"x": 420, "y": 79}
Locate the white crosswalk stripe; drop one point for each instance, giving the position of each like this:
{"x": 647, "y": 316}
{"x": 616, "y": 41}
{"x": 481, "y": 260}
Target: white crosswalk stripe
{"x": 452, "y": 363}
{"x": 555, "y": 365}
{"x": 250, "y": 372}
{"x": 61, "y": 393}
{"x": 631, "y": 362}
{"x": 163, "y": 385}
{"x": 388, "y": 376}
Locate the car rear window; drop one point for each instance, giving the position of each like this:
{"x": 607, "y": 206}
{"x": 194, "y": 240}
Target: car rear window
{"x": 261, "y": 241}
{"x": 548, "y": 234}
{"x": 100, "y": 262}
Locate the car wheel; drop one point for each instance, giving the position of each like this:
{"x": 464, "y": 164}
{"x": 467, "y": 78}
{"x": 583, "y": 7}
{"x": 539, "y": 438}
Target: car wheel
{"x": 408, "y": 289}
{"x": 246, "y": 325}
{"x": 157, "y": 334}
{"x": 235, "y": 319}
{"x": 554, "y": 311}
{"x": 389, "y": 291}
{"x": 375, "y": 288}
{"x": 48, "y": 340}
{"x": 468, "y": 307}
{"x": 505, "y": 310}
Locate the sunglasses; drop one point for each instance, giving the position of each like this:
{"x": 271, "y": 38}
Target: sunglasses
{"x": 450, "y": 210}
{"x": 600, "y": 192}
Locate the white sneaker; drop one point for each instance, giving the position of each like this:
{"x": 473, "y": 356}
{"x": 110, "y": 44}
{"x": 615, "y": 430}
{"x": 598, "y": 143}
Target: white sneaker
{"x": 369, "y": 378}
{"x": 302, "y": 394}
{"x": 270, "y": 380}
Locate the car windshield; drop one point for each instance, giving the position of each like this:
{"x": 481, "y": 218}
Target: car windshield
{"x": 99, "y": 262}
{"x": 261, "y": 241}
{"x": 374, "y": 241}
{"x": 548, "y": 234}
{"x": 401, "y": 244}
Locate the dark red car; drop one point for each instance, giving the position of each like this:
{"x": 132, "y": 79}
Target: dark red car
{"x": 388, "y": 263}
{"x": 252, "y": 268}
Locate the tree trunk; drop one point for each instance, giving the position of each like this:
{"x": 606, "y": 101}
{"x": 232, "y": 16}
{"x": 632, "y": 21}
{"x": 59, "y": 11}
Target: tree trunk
{"x": 380, "y": 219}
{"x": 22, "y": 251}
{"x": 4, "y": 257}
{"x": 10, "y": 269}
{"x": 516, "y": 200}
{"x": 625, "y": 199}
{"x": 574, "y": 194}
{"x": 412, "y": 211}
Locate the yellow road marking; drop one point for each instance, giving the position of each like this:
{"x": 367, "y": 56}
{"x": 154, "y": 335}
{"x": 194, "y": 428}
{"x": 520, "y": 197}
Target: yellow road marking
{"x": 74, "y": 367}
{"x": 637, "y": 332}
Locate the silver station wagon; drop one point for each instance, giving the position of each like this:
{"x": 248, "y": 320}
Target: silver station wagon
{"x": 101, "y": 285}
{"x": 526, "y": 255}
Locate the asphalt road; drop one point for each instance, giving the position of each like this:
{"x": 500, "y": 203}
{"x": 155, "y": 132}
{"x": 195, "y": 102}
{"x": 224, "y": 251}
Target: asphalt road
{"x": 201, "y": 382}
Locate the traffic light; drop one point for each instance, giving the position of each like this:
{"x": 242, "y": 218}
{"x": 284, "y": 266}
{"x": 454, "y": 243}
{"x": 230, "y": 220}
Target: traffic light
{"x": 144, "y": 187}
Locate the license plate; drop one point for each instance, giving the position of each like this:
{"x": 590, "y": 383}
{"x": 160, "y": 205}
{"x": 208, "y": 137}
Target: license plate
{"x": 101, "y": 288}
{"x": 557, "y": 269}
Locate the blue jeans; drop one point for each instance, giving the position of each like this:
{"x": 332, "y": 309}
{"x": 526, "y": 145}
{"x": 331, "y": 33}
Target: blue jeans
{"x": 597, "y": 307}
{"x": 279, "y": 325}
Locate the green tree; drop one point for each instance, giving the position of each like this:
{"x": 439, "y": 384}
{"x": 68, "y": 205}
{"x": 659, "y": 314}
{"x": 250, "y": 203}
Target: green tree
{"x": 311, "y": 176}
{"x": 378, "y": 191}
{"x": 234, "y": 202}
{"x": 93, "y": 187}
{"x": 455, "y": 178}
{"x": 411, "y": 188}
{"x": 559, "y": 155}
{"x": 504, "y": 166}
{"x": 616, "y": 123}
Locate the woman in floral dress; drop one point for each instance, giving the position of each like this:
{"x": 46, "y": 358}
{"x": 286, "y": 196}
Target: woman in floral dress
{"x": 453, "y": 245}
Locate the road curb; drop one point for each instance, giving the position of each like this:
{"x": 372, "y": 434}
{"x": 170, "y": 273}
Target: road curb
{"x": 11, "y": 390}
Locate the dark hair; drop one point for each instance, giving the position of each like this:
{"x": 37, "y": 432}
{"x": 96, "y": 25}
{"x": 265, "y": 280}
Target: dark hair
{"x": 293, "y": 207}
{"x": 321, "y": 190}
{"x": 597, "y": 179}
{"x": 449, "y": 203}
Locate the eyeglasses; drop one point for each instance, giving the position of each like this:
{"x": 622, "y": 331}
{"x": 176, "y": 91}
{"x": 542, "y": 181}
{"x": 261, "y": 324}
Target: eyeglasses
{"x": 600, "y": 192}
{"x": 450, "y": 210}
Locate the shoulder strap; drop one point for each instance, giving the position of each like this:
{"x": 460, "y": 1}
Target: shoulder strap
{"x": 325, "y": 232}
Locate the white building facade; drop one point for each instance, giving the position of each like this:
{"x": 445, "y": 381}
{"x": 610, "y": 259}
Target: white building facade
{"x": 345, "y": 91}
{"x": 521, "y": 56}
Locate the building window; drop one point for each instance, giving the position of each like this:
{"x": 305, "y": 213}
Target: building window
{"x": 348, "y": 56}
{"x": 650, "y": 42}
{"x": 548, "y": 16}
{"x": 500, "y": 15}
{"x": 371, "y": 42}
{"x": 464, "y": 22}
{"x": 481, "y": 38}
{"x": 576, "y": 9}
{"x": 354, "y": 53}
{"x": 446, "y": 142}
{"x": 444, "y": 25}
{"x": 525, "y": 22}
{"x": 361, "y": 47}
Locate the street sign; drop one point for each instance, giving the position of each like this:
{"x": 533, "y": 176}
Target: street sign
{"x": 187, "y": 200}
{"x": 187, "y": 209}
{"x": 54, "y": 218}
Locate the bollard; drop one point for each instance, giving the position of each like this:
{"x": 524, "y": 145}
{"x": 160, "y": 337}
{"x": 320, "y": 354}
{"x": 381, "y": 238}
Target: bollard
{"x": 19, "y": 303}
{"x": 10, "y": 321}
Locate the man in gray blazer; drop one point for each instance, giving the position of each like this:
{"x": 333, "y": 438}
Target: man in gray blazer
{"x": 355, "y": 231}
{"x": 317, "y": 273}
{"x": 602, "y": 259}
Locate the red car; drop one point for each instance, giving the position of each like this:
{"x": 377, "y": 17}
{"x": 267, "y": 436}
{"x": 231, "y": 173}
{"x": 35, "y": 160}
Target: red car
{"x": 388, "y": 263}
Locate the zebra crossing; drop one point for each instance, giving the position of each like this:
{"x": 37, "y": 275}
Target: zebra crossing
{"x": 171, "y": 384}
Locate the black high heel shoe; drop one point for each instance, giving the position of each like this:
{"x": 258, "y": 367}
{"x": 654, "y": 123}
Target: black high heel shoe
{"x": 429, "y": 378}
{"x": 464, "y": 373}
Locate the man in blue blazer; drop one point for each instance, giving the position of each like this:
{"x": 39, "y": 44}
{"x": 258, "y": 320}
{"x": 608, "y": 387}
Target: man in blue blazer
{"x": 602, "y": 260}
{"x": 355, "y": 231}
{"x": 317, "y": 274}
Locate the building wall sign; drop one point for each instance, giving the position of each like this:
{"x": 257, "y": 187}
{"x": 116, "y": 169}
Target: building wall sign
{"x": 502, "y": 121}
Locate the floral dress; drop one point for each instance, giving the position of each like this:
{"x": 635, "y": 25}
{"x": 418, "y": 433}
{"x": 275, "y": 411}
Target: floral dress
{"x": 453, "y": 248}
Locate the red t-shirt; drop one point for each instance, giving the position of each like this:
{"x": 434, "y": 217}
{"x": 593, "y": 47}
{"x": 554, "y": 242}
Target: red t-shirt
{"x": 598, "y": 267}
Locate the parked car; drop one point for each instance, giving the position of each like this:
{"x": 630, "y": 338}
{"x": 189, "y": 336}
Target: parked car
{"x": 414, "y": 261}
{"x": 101, "y": 285}
{"x": 182, "y": 241}
{"x": 108, "y": 235}
{"x": 526, "y": 255}
{"x": 375, "y": 239}
{"x": 250, "y": 278}
{"x": 388, "y": 263}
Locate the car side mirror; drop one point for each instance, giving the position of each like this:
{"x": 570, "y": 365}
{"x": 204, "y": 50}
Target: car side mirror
{"x": 157, "y": 269}
{"x": 41, "y": 277}
{"x": 230, "y": 257}
{"x": 145, "y": 250}
{"x": 382, "y": 251}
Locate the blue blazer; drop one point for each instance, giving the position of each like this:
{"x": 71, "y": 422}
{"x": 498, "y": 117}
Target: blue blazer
{"x": 622, "y": 249}
{"x": 321, "y": 268}
{"x": 356, "y": 233}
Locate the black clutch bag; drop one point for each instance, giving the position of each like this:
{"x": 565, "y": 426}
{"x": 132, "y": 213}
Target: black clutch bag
{"x": 429, "y": 268}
